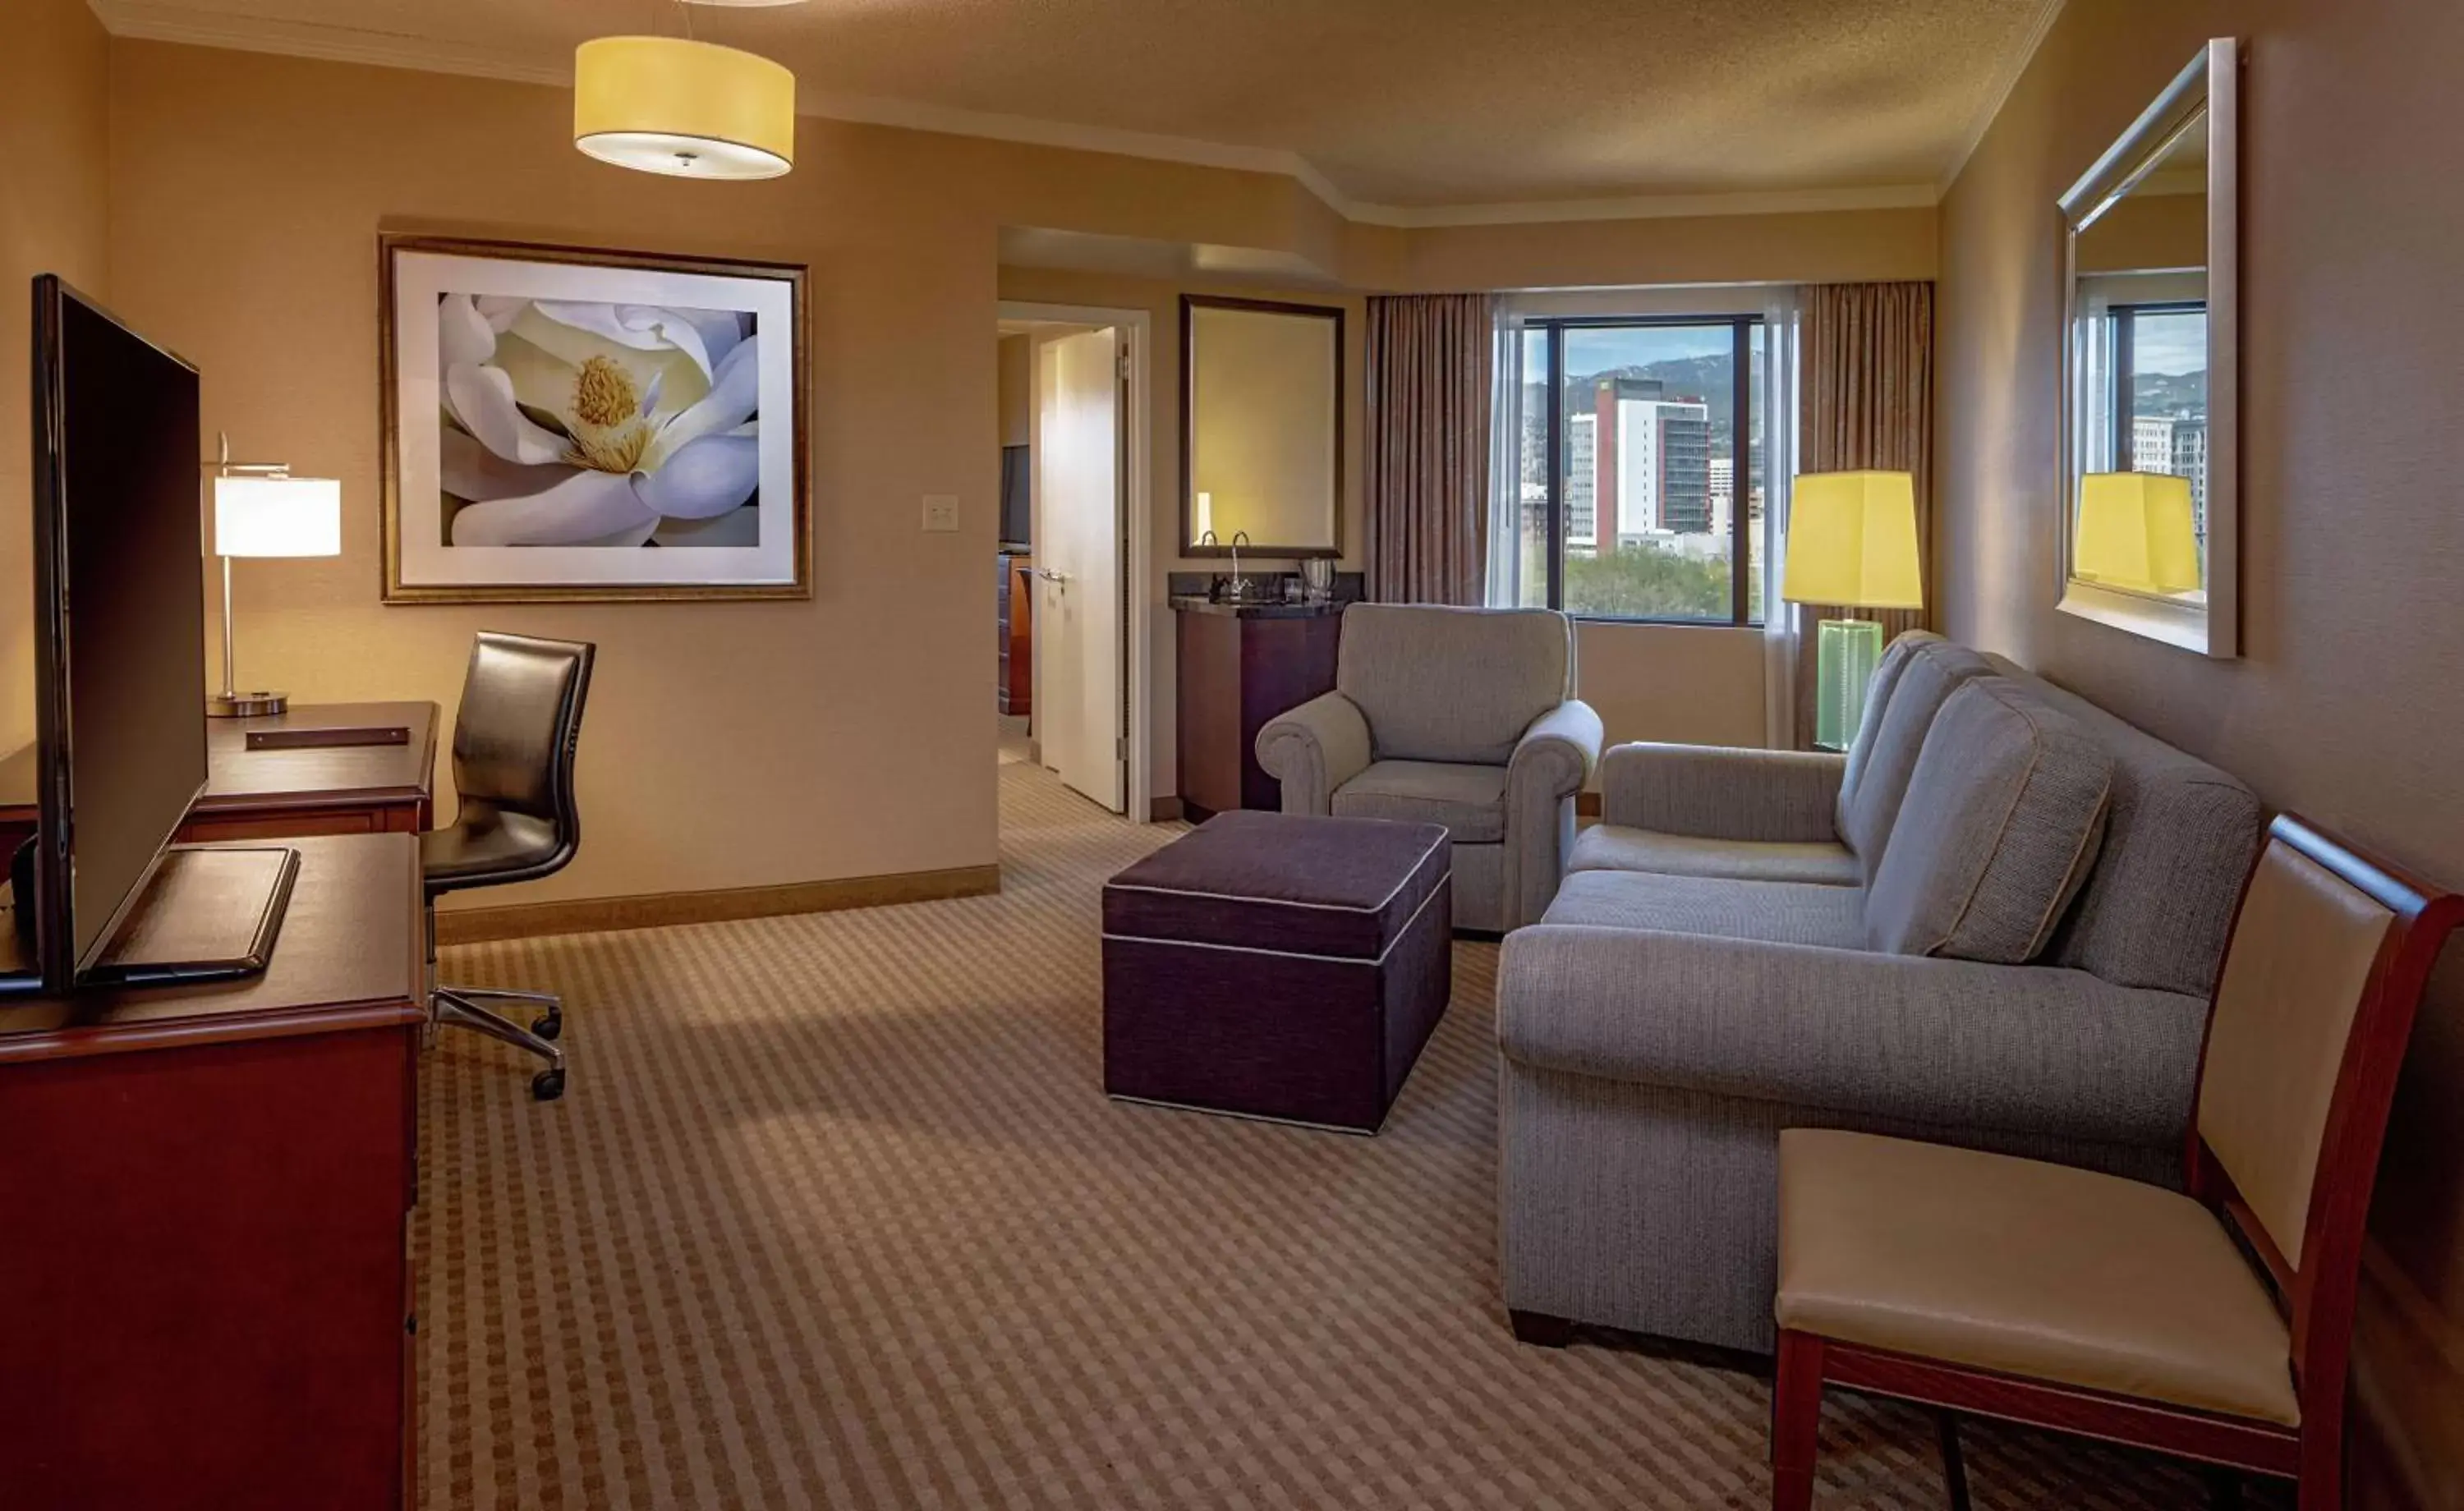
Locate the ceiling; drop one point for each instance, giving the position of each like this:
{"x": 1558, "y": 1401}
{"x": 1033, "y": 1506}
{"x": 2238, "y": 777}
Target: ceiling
{"x": 1379, "y": 104}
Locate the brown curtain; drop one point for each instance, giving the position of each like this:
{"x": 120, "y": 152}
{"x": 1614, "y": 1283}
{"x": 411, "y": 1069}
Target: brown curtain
{"x": 1431, "y": 378}
{"x": 1865, "y": 374}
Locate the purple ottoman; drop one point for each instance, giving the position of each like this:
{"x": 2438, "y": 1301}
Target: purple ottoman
{"x": 1278, "y": 966}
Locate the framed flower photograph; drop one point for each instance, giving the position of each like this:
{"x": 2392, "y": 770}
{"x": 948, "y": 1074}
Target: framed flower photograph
{"x": 568, "y": 423}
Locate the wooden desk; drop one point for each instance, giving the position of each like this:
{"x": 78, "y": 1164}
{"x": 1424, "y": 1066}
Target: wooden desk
{"x": 206, "y": 1289}
{"x": 257, "y": 795}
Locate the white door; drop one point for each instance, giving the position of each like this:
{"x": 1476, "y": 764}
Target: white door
{"x": 1078, "y": 649}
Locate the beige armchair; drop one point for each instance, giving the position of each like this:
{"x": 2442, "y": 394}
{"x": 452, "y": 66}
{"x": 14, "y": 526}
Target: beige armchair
{"x": 1460, "y": 716}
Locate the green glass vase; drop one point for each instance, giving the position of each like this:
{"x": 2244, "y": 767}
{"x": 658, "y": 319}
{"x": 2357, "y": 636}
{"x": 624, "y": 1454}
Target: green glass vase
{"x": 1845, "y": 653}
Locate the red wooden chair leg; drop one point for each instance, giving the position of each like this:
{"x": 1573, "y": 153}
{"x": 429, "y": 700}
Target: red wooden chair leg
{"x": 1797, "y": 1422}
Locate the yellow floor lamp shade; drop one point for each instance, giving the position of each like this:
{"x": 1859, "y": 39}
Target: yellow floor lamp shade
{"x": 1852, "y": 540}
{"x": 666, "y": 105}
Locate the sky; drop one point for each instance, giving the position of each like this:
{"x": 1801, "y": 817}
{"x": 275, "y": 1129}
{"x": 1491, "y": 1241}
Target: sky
{"x": 2169, "y": 343}
{"x": 1592, "y": 351}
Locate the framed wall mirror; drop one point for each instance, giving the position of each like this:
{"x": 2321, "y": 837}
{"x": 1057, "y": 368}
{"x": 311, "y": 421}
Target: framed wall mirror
{"x": 2150, "y": 530}
{"x": 1261, "y": 428}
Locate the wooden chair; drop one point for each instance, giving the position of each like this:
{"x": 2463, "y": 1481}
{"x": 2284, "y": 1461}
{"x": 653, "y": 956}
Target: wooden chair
{"x": 2214, "y": 1325}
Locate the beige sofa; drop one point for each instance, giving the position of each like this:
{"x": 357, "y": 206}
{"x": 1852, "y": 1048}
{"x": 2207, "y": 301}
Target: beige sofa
{"x": 1458, "y": 716}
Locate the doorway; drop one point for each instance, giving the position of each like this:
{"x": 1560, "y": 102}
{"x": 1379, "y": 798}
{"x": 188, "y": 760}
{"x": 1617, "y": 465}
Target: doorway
{"x": 1074, "y": 549}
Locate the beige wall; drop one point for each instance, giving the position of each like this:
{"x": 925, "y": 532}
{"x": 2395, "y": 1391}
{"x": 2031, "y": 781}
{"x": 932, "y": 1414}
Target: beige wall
{"x": 747, "y": 744}
{"x": 1683, "y": 684}
{"x": 55, "y": 129}
{"x": 1823, "y": 246}
{"x": 2346, "y": 705}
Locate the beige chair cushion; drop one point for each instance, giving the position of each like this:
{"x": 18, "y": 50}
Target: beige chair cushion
{"x": 2000, "y": 828}
{"x": 1469, "y": 801}
{"x": 2025, "y": 1268}
{"x": 1615, "y": 847}
{"x": 2292, "y": 981}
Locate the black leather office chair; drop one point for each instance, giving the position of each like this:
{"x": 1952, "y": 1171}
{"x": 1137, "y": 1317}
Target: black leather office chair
{"x": 514, "y": 742}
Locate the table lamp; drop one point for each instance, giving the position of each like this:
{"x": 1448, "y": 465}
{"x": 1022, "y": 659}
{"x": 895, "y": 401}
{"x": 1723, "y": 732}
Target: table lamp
{"x": 1852, "y": 540}
{"x": 260, "y": 510}
{"x": 2136, "y": 532}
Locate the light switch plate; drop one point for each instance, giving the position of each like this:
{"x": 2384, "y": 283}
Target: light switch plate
{"x": 941, "y": 513}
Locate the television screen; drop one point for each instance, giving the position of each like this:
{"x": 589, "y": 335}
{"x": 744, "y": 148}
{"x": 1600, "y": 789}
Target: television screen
{"x": 119, "y": 600}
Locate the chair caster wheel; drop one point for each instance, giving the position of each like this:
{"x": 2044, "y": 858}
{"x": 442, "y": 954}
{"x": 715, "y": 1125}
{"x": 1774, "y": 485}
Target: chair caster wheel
{"x": 547, "y": 1025}
{"x": 547, "y": 1086}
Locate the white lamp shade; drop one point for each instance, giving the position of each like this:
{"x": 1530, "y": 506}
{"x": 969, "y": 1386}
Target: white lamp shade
{"x": 278, "y": 516}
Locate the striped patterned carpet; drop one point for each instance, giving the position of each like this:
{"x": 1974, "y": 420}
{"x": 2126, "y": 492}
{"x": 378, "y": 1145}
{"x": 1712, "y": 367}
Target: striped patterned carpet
{"x": 835, "y": 1215}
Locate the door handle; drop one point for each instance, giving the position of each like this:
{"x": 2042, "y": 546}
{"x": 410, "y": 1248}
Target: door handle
{"x": 1056, "y": 578}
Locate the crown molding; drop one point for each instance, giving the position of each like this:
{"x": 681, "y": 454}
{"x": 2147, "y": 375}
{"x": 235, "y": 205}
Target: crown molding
{"x": 1651, "y": 206}
{"x": 146, "y": 20}
{"x": 2048, "y": 11}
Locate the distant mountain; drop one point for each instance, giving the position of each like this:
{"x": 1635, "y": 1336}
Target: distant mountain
{"x": 2170, "y": 393}
{"x": 1707, "y": 379}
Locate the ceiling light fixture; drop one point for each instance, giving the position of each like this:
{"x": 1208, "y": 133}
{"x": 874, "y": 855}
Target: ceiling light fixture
{"x": 688, "y": 109}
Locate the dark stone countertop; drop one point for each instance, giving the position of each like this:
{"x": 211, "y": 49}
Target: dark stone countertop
{"x": 1192, "y": 603}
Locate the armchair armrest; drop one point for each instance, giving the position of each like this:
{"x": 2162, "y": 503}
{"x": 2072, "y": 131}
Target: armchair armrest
{"x": 1315, "y": 749}
{"x": 1557, "y": 751}
{"x": 1554, "y": 757}
{"x": 1717, "y": 793}
{"x": 1949, "y": 1043}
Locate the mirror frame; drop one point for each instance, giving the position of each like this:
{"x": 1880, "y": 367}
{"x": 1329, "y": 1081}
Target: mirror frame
{"x": 2210, "y": 82}
{"x": 1190, "y": 305}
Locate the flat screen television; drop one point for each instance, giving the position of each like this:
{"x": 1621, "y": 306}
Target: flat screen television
{"x": 119, "y": 620}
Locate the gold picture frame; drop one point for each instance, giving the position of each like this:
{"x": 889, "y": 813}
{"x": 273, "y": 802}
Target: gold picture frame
{"x": 568, "y": 459}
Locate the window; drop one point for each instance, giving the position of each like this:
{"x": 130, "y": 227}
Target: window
{"x": 2156, "y": 409}
{"x": 1640, "y": 468}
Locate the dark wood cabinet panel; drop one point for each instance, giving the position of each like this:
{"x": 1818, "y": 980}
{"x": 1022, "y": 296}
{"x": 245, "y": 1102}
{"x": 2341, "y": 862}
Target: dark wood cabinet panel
{"x": 1016, "y": 640}
{"x": 1237, "y": 673}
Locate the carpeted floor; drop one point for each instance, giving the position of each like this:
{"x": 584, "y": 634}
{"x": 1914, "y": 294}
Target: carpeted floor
{"x": 836, "y": 1215}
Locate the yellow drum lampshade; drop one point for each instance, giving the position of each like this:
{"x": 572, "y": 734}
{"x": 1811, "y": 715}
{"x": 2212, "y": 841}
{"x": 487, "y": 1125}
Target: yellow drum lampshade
{"x": 2136, "y": 532}
{"x": 1852, "y": 540}
{"x": 663, "y": 104}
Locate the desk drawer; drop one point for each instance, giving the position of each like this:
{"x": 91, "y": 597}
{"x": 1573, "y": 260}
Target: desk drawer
{"x": 264, "y": 824}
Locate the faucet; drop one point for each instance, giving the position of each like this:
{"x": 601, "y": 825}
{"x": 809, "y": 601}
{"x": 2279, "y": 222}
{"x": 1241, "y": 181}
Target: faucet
{"x": 1236, "y": 587}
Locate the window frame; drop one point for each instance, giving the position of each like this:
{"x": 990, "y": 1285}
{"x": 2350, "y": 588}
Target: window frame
{"x": 1742, "y": 327}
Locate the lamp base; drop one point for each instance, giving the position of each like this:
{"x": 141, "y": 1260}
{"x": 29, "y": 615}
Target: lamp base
{"x": 245, "y": 705}
{"x": 1847, "y": 651}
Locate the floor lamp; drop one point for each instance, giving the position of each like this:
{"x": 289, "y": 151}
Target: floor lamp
{"x": 1852, "y": 540}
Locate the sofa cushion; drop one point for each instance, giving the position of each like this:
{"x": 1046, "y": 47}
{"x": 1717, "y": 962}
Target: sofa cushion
{"x": 1469, "y": 801}
{"x": 1934, "y": 671}
{"x": 2001, "y": 821}
{"x": 1615, "y": 847}
{"x": 1773, "y": 913}
{"x": 2178, "y": 841}
{"x": 1878, "y": 700}
{"x": 1443, "y": 683}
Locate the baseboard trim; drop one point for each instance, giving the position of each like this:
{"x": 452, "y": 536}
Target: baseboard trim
{"x": 657, "y": 909}
{"x": 1164, "y": 810}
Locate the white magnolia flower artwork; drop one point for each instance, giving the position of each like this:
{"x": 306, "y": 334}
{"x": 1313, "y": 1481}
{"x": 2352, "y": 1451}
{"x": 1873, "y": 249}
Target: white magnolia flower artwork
{"x": 622, "y": 425}
{"x": 576, "y": 425}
